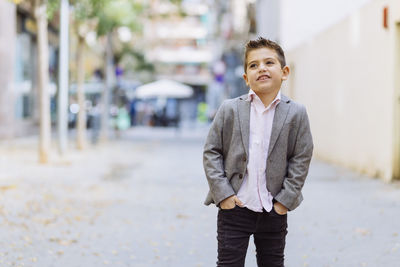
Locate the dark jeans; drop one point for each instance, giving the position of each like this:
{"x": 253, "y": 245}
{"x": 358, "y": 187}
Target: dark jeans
{"x": 234, "y": 229}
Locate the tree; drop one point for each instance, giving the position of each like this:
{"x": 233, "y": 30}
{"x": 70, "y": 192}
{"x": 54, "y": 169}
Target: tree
{"x": 84, "y": 21}
{"x": 41, "y": 10}
{"x": 114, "y": 14}
{"x": 108, "y": 15}
{"x": 104, "y": 16}
{"x": 41, "y": 13}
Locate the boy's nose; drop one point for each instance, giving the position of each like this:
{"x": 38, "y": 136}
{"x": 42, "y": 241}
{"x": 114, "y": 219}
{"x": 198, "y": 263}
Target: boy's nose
{"x": 263, "y": 67}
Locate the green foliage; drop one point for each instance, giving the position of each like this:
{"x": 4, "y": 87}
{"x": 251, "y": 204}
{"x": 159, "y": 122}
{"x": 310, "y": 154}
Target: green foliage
{"x": 52, "y": 7}
{"x": 176, "y": 2}
{"x": 109, "y": 14}
{"x": 140, "y": 63}
{"x": 87, "y": 9}
{"x": 117, "y": 13}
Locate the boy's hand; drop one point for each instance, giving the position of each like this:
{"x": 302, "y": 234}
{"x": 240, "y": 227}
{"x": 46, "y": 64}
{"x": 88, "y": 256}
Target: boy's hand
{"x": 230, "y": 203}
{"x": 280, "y": 209}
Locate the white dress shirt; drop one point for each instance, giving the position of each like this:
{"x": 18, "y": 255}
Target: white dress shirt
{"x": 253, "y": 192}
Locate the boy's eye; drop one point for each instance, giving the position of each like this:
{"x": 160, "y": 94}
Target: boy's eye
{"x": 252, "y": 65}
{"x": 270, "y": 62}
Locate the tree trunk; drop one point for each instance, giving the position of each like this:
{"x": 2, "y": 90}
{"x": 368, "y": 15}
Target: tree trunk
{"x": 43, "y": 82}
{"x": 109, "y": 71}
{"x": 81, "y": 125}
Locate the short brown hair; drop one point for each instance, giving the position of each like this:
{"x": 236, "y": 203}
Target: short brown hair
{"x": 261, "y": 42}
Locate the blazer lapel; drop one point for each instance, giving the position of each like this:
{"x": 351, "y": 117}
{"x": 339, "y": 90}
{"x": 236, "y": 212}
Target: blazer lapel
{"x": 244, "y": 120}
{"x": 281, "y": 112}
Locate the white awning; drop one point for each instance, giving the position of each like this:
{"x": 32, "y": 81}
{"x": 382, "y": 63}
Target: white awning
{"x": 164, "y": 89}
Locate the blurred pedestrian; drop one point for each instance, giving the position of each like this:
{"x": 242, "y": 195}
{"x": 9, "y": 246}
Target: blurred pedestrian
{"x": 256, "y": 160}
{"x": 202, "y": 112}
{"x": 122, "y": 121}
{"x": 132, "y": 112}
{"x": 95, "y": 120}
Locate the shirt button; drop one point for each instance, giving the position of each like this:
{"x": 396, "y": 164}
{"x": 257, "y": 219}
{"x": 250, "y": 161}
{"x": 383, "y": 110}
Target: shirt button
{"x": 240, "y": 176}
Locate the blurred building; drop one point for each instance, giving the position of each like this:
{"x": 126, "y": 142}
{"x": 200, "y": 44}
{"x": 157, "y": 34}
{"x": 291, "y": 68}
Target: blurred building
{"x": 7, "y": 67}
{"x": 233, "y": 23}
{"x": 177, "y": 41}
{"x": 178, "y": 44}
{"x": 345, "y": 65}
{"x": 19, "y": 110}
{"x": 201, "y": 44}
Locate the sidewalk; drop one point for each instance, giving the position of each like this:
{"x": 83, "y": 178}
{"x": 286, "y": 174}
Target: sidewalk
{"x": 345, "y": 220}
{"x": 137, "y": 201}
{"x": 50, "y": 214}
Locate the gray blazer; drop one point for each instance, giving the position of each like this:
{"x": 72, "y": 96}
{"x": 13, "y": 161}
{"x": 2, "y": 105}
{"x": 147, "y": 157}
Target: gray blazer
{"x": 226, "y": 151}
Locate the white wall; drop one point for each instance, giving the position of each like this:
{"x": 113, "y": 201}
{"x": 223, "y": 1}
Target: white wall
{"x": 300, "y": 20}
{"x": 346, "y": 77}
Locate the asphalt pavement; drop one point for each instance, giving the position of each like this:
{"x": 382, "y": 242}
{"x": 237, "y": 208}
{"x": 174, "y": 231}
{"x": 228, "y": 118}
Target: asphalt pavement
{"x": 137, "y": 201}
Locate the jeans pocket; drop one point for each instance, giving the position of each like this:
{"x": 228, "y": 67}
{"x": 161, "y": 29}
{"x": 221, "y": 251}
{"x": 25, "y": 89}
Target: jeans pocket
{"x": 273, "y": 211}
{"x": 229, "y": 209}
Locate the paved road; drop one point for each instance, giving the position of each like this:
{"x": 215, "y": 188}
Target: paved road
{"x": 138, "y": 202}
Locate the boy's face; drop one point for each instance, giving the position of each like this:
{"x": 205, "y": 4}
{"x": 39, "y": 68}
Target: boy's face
{"x": 264, "y": 73}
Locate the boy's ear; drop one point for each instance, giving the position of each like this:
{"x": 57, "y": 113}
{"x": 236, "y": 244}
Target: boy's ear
{"x": 245, "y": 79}
{"x": 285, "y": 73}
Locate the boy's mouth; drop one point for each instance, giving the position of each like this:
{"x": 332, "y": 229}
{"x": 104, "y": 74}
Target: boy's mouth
{"x": 263, "y": 77}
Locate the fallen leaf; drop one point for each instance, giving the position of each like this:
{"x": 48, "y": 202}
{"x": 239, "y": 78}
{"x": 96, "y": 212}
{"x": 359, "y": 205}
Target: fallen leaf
{"x": 182, "y": 216}
{"x": 7, "y": 187}
{"x": 362, "y": 231}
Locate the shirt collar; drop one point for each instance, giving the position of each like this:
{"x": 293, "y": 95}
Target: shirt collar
{"x": 275, "y": 102}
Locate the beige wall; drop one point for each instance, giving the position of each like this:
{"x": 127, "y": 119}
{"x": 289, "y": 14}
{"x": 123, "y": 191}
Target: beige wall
{"x": 346, "y": 78}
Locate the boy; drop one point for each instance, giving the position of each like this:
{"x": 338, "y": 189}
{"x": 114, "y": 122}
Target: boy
{"x": 256, "y": 159}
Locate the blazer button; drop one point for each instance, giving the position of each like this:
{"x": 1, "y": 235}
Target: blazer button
{"x": 244, "y": 159}
{"x": 240, "y": 176}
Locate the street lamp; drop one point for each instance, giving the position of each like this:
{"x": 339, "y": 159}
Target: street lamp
{"x": 63, "y": 78}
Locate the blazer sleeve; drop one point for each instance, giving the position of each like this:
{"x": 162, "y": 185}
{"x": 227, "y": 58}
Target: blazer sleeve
{"x": 298, "y": 164}
{"x": 213, "y": 160}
